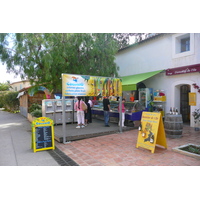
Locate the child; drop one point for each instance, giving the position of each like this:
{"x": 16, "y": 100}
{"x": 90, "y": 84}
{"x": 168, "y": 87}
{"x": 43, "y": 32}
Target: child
{"x": 80, "y": 113}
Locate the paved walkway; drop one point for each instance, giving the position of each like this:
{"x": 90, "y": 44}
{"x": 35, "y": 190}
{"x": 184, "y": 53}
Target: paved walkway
{"x": 120, "y": 150}
{"x": 116, "y": 149}
{"x": 15, "y": 143}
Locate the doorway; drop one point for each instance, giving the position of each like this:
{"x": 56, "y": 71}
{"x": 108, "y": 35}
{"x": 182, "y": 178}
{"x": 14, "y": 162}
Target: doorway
{"x": 184, "y": 103}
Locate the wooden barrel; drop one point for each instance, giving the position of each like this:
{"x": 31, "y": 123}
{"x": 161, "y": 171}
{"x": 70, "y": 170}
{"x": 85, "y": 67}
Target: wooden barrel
{"x": 173, "y": 126}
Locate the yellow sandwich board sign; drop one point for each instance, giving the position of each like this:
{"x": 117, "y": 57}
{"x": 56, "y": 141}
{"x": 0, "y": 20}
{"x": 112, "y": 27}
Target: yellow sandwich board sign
{"x": 42, "y": 134}
{"x": 151, "y": 131}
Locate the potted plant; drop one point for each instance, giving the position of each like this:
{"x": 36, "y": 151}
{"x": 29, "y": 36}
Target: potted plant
{"x": 196, "y": 115}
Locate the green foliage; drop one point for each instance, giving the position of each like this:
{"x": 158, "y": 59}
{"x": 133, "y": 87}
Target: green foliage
{"x": 45, "y": 56}
{"x": 34, "y": 107}
{"x": 2, "y": 99}
{"x": 10, "y": 101}
{"x": 194, "y": 149}
{"x": 196, "y": 115}
{"x": 1, "y": 102}
{"x": 36, "y": 113}
{"x": 35, "y": 110}
{"x": 191, "y": 149}
{"x": 4, "y": 86}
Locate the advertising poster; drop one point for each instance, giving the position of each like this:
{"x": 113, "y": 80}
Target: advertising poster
{"x": 192, "y": 99}
{"x": 85, "y": 85}
{"x": 151, "y": 131}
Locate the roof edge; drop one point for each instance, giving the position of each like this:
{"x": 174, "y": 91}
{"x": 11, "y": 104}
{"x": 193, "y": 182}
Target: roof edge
{"x": 142, "y": 41}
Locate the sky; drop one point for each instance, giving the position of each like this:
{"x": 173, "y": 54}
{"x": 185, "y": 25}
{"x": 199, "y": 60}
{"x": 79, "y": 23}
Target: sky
{"x": 4, "y": 76}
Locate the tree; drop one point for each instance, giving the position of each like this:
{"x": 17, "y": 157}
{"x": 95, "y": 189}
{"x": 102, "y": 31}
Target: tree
{"x": 9, "y": 101}
{"x": 4, "y": 86}
{"x": 43, "y": 57}
{"x": 123, "y": 39}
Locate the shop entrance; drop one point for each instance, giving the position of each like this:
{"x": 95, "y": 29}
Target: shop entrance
{"x": 184, "y": 103}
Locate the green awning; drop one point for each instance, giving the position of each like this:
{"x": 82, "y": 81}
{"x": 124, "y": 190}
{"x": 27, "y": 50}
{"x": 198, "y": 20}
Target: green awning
{"x": 130, "y": 82}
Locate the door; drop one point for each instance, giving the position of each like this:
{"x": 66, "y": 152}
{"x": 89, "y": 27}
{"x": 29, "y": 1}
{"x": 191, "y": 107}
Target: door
{"x": 184, "y": 102}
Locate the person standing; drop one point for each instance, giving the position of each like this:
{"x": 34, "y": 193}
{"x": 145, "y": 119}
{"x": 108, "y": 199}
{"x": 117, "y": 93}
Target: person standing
{"x": 90, "y": 110}
{"x": 123, "y": 112}
{"x": 78, "y": 106}
{"x": 106, "y": 109}
{"x": 87, "y": 112}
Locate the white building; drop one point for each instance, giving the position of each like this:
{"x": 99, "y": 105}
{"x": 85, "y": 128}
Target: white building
{"x": 174, "y": 60}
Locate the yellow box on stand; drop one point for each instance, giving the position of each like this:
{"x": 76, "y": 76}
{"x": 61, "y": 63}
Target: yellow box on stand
{"x": 159, "y": 98}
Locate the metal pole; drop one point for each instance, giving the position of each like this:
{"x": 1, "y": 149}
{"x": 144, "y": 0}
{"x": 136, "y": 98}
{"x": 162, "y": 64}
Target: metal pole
{"x": 63, "y": 120}
{"x": 120, "y": 114}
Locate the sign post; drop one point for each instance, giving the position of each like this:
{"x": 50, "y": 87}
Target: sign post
{"x": 42, "y": 134}
{"x": 151, "y": 131}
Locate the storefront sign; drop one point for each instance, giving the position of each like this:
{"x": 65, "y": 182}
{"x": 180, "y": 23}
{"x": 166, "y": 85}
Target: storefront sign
{"x": 151, "y": 131}
{"x": 183, "y": 70}
{"x": 42, "y": 134}
{"x": 84, "y": 85}
{"x": 192, "y": 99}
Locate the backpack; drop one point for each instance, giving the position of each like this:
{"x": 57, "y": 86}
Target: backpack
{"x": 84, "y": 106}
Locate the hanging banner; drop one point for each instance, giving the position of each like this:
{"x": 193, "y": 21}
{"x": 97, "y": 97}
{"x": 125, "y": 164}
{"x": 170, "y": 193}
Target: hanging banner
{"x": 85, "y": 85}
{"x": 151, "y": 131}
{"x": 42, "y": 134}
{"x": 192, "y": 99}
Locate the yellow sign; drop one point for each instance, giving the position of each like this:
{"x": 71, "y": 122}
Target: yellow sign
{"x": 42, "y": 134}
{"x": 151, "y": 131}
{"x": 192, "y": 99}
{"x": 159, "y": 98}
{"x": 85, "y": 85}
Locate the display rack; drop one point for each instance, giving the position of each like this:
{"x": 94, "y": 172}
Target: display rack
{"x": 159, "y": 100}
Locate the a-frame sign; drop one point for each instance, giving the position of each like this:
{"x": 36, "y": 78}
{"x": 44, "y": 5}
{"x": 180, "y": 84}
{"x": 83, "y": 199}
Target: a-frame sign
{"x": 151, "y": 131}
{"x": 42, "y": 134}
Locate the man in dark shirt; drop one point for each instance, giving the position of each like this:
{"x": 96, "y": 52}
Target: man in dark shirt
{"x": 106, "y": 108}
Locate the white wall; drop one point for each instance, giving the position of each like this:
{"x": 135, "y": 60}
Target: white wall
{"x": 157, "y": 54}
{"x": 148, "y": 56}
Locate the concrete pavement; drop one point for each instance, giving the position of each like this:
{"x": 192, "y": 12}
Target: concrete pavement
{"x": 15, "y": 143}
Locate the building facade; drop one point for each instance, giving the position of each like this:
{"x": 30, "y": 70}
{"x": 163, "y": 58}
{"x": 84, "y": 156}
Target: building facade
{"x": 177, "y": 59}
{"x": 17, "y": 86}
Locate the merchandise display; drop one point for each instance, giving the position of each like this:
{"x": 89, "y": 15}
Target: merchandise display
{"x": 133, "y": 110}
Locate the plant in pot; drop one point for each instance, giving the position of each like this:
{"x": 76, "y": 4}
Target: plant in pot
{"x": 196, "y": 115}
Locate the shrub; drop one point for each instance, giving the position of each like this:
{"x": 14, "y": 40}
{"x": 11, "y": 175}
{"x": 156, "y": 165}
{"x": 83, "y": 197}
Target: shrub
{"x": 2, "y": 99}
{"x": 34, "y": 106}
{"x": 36, "y": 113}
{"x": 1, "y": 103}
{"x": 10, "y": 101}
